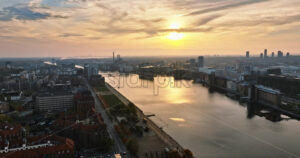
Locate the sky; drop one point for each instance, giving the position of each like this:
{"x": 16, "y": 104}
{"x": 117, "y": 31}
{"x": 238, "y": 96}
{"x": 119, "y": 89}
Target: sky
{"x": 96, "y": 28}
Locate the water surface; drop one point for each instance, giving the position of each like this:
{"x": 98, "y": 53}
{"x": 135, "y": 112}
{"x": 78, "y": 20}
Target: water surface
{"x": 210, "y": 124}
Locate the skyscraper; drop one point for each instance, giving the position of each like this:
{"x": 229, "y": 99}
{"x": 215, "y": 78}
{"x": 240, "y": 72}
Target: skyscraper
{"x": 287, "y": 54}
{"x": 118, "y": 57}
{"x": 200, "y": 61}
{"x": 87, "y": 70}
{"x": 261, "y": 55}
{"x": 273, "y": 54}
{"x": 279, "y": 54}
{"x": 113, "y": 57}
{"x": 247, "y": 54}
{"x": 265, "y": 53}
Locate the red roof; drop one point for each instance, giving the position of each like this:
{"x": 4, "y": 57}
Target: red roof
{"x": 64, "y": 146}
{"x": 9, "y": 129}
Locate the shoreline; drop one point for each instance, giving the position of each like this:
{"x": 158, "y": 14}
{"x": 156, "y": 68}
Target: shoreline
{"x": 170, "y": 143}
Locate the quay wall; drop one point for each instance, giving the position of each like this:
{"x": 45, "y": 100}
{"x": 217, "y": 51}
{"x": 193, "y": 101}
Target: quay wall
{"x": 119, "y": 95}
{"x": 171, "y": 142}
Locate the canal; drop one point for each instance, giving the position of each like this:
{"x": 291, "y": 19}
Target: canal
{"x": 208, "y": 123}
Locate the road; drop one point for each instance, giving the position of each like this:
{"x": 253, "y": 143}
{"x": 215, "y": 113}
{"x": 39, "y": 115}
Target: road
{"x": 119, "y": 146}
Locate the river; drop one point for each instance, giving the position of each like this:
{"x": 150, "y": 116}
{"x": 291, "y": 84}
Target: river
{"x": 209, "y": 124}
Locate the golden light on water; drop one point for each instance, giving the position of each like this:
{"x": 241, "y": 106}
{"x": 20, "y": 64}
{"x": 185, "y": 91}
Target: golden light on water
{"x": 174, "y": 89}
{"x": 177, "y": 119}
{"x": 175, "y": 35}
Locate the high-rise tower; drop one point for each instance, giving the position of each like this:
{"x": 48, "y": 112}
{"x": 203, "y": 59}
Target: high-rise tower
{"x": 265, "y": 53}
{"x": 113, "y": 57}
{"x": 247, "y": 54}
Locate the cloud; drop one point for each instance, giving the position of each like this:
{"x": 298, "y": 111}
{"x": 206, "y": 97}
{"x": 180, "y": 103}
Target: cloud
{"x": 23, "y": 12}
{"x": 207, "y": 19}
{"x": 224, "y": 7}
{"x": 268, "y": 21}
{"x": 150, "y": 32}
{"x": 70, "y": 35}
{"x": 287, "y": 31}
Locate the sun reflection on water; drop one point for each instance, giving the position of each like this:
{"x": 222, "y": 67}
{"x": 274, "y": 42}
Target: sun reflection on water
{"x": 177, "y": 119}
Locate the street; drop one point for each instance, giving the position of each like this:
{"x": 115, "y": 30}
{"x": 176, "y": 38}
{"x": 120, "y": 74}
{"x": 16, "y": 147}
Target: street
{"x": 119, "y": 147}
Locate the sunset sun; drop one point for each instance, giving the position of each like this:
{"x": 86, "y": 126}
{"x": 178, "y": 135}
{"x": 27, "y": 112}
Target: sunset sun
{"x": 174, "y": 35}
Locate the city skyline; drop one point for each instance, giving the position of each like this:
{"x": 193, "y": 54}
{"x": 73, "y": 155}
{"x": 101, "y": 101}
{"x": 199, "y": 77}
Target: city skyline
{"x": 82, "y": 28}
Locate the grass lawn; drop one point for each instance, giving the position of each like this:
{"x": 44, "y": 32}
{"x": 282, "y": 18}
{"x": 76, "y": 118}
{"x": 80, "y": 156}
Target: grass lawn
{"x": 4, "y": 118}
{"x": 101, "y": 89}
{"x": 112, "y": 100}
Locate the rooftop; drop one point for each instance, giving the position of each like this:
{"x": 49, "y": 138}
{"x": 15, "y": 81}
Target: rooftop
{"x": 267, "y": 89}
{"x": 52, "y": 94}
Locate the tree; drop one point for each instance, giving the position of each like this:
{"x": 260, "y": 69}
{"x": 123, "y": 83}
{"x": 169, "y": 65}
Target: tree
{"x": 5, "y": 118}
{"x": 107, "y": 144}
{"x": 173, "y": 154}
{"x": 188, "y": 154}
{"x": 139, "y": 130}
{"x": 132, "y": 146}
{"x": 131, "y": 108}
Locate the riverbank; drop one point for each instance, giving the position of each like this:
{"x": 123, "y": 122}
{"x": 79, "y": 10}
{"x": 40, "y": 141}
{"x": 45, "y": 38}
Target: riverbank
{"x": 151, "y": 141}
{"x": 172, "y": 143}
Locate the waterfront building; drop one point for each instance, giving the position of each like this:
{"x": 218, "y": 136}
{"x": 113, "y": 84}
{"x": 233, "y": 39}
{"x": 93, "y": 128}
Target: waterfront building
{"x": 291, "y": 104}
{"x": 90, "y": 70}
{"x": 267, "y": 96}
{"x": 147, "y": 72}
{"x": 182, "y": 74}
{"x": 286, "y": 84}
{"x": 205, "y": 75}
{"x": 243, "y": 89}
{"x": 231, "y": 76}
{"x": 219, "y": 83}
